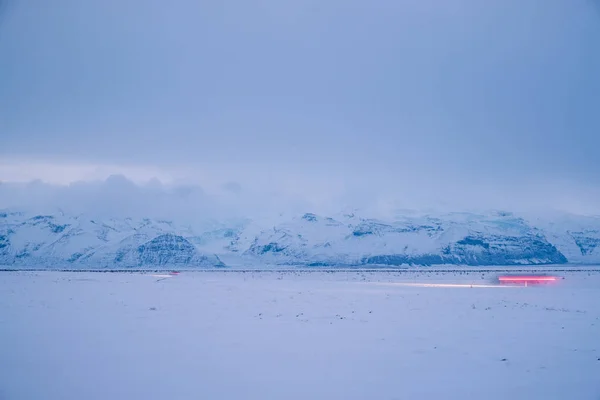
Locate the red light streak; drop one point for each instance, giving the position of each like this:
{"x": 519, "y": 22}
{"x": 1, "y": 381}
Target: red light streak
{"x": 527, "y": 278}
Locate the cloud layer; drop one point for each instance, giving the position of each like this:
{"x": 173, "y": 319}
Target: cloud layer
{"x": 120, "y": 197}
{"x": 332, "y": 104}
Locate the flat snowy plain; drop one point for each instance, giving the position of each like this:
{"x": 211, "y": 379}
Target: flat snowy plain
{"x": 297, "y": 335}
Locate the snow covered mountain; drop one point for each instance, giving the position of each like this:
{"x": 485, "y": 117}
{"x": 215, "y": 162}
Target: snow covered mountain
{"x": 460, "y": 239}
{"x": 75, "y": 241}
{"x": 78, "y": 241}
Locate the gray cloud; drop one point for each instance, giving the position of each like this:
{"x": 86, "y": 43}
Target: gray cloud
{"x": 328, "y": 97}
{"x": 120, "y": 197}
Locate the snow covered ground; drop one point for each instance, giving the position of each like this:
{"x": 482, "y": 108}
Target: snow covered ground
{"x": 297, "y": 335}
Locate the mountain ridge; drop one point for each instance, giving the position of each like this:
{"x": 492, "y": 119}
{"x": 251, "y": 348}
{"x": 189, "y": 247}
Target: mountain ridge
{"x": 60, "y": 240}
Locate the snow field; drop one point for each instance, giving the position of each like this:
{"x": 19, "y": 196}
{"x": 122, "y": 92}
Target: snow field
{"x": 297, "y": 335}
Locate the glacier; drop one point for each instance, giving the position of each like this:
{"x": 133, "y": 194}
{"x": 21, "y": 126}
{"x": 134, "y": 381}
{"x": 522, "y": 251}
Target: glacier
{"x": 61, "y": 240}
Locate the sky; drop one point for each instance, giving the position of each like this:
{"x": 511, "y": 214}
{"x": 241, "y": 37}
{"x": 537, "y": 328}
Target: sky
{"x": 454, "y": 103}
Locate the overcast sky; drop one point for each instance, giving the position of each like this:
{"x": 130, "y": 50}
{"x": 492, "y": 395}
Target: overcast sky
{"x": 313, "y": 96}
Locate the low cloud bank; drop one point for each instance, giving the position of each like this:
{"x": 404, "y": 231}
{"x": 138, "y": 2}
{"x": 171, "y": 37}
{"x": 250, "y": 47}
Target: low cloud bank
{"x": 119, "y": 197}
